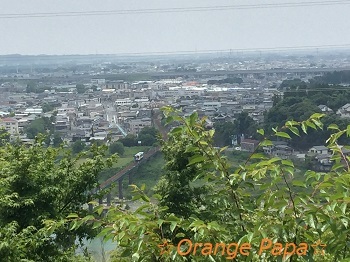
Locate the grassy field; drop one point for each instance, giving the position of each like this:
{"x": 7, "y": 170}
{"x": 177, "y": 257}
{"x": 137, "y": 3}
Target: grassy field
{"x": 147, "y": 173}
{"x": 236, "y": 158}
{"x": 150, "y": 171}
{"x": 121, "y": 162}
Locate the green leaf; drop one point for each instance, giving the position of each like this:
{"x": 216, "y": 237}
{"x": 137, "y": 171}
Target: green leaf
{"x": 283, "y": 134}
{"x": 223, "y": 149}
{"x": 176, "y": 130}
{"x": 310, "y": 124}
{"x": 145, "y": 198}
{"x": 317, "y": 115}
{"x": 291, "y": 123}
{"x": 191, "y": 148}
{"x": 105, "y": 232}
{"x": 333, "y": 127}
{"x": 172, "y": 226}
{"x": 304, "y": 127}
{"x": 193, "y": 118}
{"x": 348, "y": 130}
{"x": 287, "y": 163}
{"x": 343, "y": 208}
{"x": 295, "y": 130}
{"x": 180, "y": 235}
{"x": 97, "y": 224}
{"x": 197, "y": 223}
{"x": 196, "y": 159}
{"x": 211, "y": 132}
{"x": 135, "y": 257}
{"x": 258, "y": 156}
{"x": 261, "y": 132}
{"x": 318, "y": 123}
{"x": 299, "y": 183}
{"x": 141, "y": 208}
{"x": 73, "y": 215}
{"x": 173, "y": 218}
{"x": 310, "y": 221}
{"x": 266, "y": 143}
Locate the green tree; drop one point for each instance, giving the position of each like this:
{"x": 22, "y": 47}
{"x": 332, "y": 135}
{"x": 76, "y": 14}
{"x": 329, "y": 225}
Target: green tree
{"x": 47, "y": 107}
{"x": 78, "y": 146}
{"x": 4, "y": 136}
{"x": 148, "y": 136}
{"x": 129, "y": 140}
{"x": 224, "y": 132}
{"x": 245, "y": 124}
{"x": 117, "y": 147}
{"x": 147, "y": 139}
{"x": 37, "y": 184}
{"x": 179, "y": 194}
{"x": 148, "y": 130}
{"x": 57, "y": 140}
{"x": 33, "y": 87}
{"x": 80, "y": 88}
{"x": 41, "y": 125}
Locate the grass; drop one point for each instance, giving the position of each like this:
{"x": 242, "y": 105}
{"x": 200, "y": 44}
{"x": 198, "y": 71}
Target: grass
{"x": 236, "y": 158}
{"x": 122, "y": 161}
{"x": 148, "y": 173}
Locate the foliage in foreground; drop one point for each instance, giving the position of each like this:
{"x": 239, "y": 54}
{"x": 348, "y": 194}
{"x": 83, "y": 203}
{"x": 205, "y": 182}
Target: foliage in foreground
{"x": 259, "y": 200}
{"x": 39, "y": 184}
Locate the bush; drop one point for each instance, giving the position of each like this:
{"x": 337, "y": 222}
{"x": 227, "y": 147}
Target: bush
{"x": 117, "y": 147}
{"x": 129, "y": 140}
{"x": 78, "y": 146}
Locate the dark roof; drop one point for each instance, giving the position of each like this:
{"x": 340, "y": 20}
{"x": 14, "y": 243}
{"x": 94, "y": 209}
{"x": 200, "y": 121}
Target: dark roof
{"x": 251, "y": 141}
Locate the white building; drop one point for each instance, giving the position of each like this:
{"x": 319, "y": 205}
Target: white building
{"x": 211, "y": 105}
{"x": 123, "y": 102}
{"x": 98, "y": 81}
{"x": 34, "y": 111}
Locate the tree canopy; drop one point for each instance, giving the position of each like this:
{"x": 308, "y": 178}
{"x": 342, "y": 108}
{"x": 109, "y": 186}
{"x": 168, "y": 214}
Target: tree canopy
{"x": 41, "y": 125}
{"x": 37, "y": 184}
{"x": 117, "y": 147}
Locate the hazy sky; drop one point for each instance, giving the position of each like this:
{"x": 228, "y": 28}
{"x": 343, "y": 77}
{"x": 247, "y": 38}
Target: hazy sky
{"x": 163, "y": 32}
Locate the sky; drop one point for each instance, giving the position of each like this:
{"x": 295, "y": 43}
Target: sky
{"x": 168, "y": 32}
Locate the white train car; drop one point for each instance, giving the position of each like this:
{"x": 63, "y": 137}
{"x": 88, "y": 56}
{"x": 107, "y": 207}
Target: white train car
{"x": 139, "y": 156}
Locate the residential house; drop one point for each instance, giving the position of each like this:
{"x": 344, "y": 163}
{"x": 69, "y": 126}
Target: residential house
{"x": 325, "y": 109}
{"x": 344, "y": 111}
{"x": 319, "y": 150}
{"x": 279, "y": 149}
{"x": 249, "y": 145}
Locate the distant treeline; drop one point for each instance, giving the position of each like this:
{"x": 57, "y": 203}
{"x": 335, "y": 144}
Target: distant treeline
{"x": 334, "y": 78}
{"x": 301, "y": 99}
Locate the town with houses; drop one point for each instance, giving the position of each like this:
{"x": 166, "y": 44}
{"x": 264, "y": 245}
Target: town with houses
{"x": 85, "y": 104}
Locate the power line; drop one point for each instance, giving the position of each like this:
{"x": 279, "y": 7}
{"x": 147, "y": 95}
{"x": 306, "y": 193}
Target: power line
{"x": 176, "y": 9}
